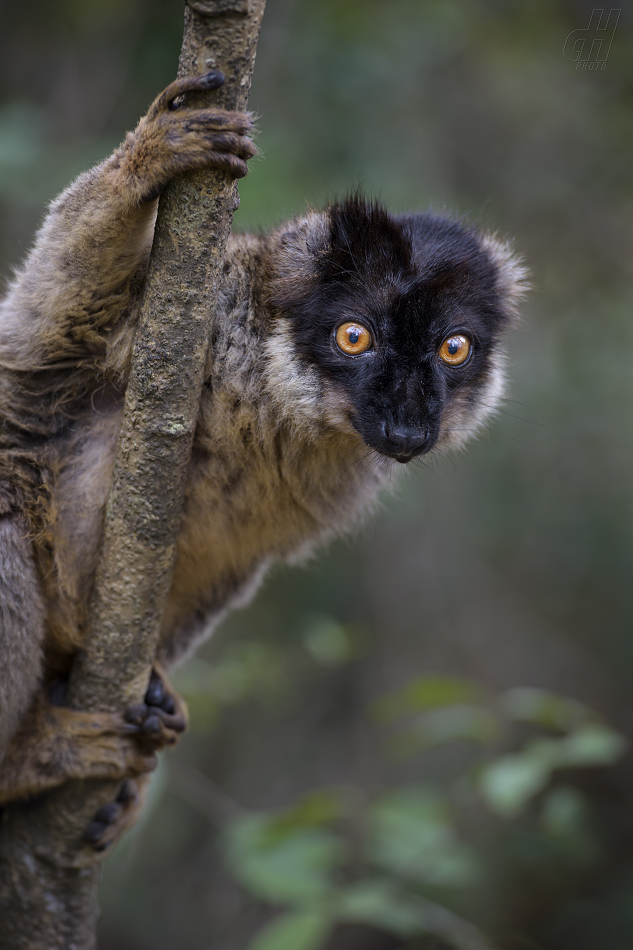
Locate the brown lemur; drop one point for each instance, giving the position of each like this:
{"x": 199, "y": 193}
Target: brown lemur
{"x": 347, "y": 341}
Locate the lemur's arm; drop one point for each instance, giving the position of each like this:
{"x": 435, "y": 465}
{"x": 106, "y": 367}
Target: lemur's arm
{"x": 75, "y": 285}
{"x": 64, "y": 307}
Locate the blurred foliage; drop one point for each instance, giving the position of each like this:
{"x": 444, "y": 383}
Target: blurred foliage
{"x": 340, "y": 855}
{"x": 380, "y": 693}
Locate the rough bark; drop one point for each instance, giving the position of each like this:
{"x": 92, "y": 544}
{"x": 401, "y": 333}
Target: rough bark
{"x": 48, "y": 876}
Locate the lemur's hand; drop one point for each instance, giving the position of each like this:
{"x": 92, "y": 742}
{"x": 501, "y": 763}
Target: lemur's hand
{"x": 172, "y": 139}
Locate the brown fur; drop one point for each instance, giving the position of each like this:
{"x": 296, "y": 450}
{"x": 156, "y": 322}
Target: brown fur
{"x": 276, "y": 467}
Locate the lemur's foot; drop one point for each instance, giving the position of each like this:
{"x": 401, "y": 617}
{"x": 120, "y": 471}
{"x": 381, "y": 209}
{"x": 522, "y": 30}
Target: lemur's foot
{"x": 55, "y": 743}
{"x": 155, "y": 723}
{"x": 113, "y": 820}
{"x": 161, "y": 718}
{"x": 172, "y": 139}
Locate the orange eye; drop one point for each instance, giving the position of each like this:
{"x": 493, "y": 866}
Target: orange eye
{"x": 455, "y": 349}
{"x": 353, "y": 338}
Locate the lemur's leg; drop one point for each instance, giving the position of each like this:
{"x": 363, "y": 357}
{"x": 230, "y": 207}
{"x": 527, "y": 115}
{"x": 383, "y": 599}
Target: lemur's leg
{"x": 54, "y": 743}
{"x": 76, "y": 283}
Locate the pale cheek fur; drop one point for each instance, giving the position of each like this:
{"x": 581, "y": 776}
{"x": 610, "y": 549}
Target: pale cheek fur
{"x": 299, "y": 392}
{"x": 461, "y": 421}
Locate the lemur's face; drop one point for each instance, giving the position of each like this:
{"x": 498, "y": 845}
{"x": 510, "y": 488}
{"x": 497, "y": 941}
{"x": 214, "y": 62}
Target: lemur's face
{"x": 404, "y": 317}
{"x": 400, "y": 365}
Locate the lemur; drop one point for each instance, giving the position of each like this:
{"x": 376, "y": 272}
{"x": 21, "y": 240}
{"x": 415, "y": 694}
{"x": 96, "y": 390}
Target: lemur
{"x": 347, "y": 342}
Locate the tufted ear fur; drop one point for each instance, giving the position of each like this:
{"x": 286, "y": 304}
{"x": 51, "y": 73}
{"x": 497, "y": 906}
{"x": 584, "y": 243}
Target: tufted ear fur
{"x": 298, "y": 247}
{"x": 512, "y": 275}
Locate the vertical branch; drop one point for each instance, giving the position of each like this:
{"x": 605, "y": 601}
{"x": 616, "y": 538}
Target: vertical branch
{"x": 48, "y": 877}
{"x": 163, "y": 395}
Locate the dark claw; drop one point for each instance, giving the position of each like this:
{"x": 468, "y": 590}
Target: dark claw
{"x": 213, "y": 79}
{"x": 155, "y": 691}
{"x": 151, "y": 726}
{"x": 136, "y": 714}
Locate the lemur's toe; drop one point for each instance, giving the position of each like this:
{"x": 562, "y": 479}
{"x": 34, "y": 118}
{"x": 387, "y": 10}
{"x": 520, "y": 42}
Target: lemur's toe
{"x": 156, "y": 691}
{"x": 113, "y": 819}
{"x": 162, "y": 701}
{"x": 128, "y": 792}
{"x": 159, "y": 720}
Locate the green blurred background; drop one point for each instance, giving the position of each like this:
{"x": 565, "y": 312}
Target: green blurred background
{"x": 508, "y": 566}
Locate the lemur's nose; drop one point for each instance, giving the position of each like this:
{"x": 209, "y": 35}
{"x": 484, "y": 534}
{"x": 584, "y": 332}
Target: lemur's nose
{"x": 405, "y": 442}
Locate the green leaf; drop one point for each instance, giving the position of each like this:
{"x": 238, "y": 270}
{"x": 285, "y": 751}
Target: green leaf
{"x": 316, "y": 808}
{"x": 428, "y": 692}
{"x": 328, "y": 641}
{"x": 281, "y": 865}
{"x": 508, "y": 783}
{"x": 564, "y": 812}
{"x": 294, "y": 931}
{"x": 589, "y": 745}
{"x": 385, "y": 905}
{"x": 593, "y": 744}
{"x": 377, "y": 902}
{"x": 528, "y": 704}
{"x": 563, "y": 819}
{"x": 410, "y": 833}
{"x": 447, "y": 725}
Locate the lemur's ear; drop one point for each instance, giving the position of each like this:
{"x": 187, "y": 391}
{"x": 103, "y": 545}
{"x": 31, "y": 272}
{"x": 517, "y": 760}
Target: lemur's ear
{"x": 512, "y": 274}
{"x": 301, "y": 243}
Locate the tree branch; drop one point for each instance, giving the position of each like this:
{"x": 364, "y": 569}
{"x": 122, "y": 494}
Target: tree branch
{"x": 48, "y": 876}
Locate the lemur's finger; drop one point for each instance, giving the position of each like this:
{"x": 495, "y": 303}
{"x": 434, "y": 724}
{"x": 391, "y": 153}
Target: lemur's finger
{"x": 205, "y": 120}
{"x": 211, "y": 80}
{"x": 227, "y": 142}
{"x": 230, "y": 163}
